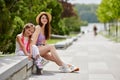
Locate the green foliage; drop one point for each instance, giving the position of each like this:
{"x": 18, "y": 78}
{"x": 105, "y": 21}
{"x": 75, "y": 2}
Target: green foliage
{"x": 104, "y": 8}
{"x": 73, "y": 24}
{"x": 84, "y": 23}
{"x": 10, "y": 41}
{"x": 57, "y": 25}
{"x": 53, "y": 41}
{"x": 6, "y": 21}
{"x": 62, "y": 28}
{"x": 108, "y": 10}
{"x": 18, "y": 26}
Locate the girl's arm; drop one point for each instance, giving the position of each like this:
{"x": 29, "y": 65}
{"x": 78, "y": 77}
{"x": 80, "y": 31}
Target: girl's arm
{"x": 30, "y": 48}
{"x": 34, "y": 38}
{"x": 22, "y": 45}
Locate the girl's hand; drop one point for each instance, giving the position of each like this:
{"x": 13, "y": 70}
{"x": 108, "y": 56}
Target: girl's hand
{"x": 30, "y": 57}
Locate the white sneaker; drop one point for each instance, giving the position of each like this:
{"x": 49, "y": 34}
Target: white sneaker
{"x": 64, "y": 70}
{"x": 67, "y": 68}
{"x": 44, "y": 61}
{"x": 73, "y": 68}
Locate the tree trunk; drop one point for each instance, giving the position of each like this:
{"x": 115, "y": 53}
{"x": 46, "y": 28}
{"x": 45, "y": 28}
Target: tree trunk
{"x": 116, "y": 29}
{"x": 109, "y": 29}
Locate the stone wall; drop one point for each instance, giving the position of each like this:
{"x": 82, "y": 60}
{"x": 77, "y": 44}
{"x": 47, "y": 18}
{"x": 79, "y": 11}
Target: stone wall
{"x": 15, "y": 68}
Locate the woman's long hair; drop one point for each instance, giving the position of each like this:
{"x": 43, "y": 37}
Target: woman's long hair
{"x": 47, "y": 30}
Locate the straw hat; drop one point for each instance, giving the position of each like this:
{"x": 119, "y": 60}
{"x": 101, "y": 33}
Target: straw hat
{"x": 48, "y": 14}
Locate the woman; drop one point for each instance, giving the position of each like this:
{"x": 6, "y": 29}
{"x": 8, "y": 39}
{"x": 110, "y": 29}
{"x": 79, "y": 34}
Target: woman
{"x": 41, "y": 34}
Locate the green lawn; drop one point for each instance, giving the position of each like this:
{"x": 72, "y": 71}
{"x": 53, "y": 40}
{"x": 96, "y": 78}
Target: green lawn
{"x": 112, "y": 36}
{"x": 73, "y": 34}
{"x": 53, "y": 41}
{"x": 3, "y": 55}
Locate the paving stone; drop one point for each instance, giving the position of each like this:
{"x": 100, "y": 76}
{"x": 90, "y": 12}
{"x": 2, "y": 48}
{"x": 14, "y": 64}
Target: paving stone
{"x": 101, "y": 77}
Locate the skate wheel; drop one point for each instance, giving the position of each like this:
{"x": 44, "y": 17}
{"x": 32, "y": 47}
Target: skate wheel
{"x": 39, "y": 71}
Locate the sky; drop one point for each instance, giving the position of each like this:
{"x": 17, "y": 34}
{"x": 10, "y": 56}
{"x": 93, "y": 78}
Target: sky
{"x": 85, "y": 1}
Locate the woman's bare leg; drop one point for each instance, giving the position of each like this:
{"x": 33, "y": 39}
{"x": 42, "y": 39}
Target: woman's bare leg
{"x": 53, "y": 56}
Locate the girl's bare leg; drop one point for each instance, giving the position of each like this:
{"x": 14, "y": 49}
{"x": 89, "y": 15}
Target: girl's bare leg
{"x": 53, "y": 56}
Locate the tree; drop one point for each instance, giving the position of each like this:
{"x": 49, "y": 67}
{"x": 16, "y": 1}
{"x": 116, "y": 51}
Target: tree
{"x": 68, "y": 10}
{"x": 104, "y": 14}
{"x": 108, "y": 11}
{"x": 6, "y": 21}
{"x": 73, "y": 24}
{"x": 116, "y": 12}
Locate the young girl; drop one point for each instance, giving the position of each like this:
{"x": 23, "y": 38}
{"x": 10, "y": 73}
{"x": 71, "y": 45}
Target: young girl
{"x": 24, "y": 48}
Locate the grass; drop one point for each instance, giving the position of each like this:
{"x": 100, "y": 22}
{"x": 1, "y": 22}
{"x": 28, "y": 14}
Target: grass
{"x": 73, "y": 34}
{"x": 116, "y": 39}
{"x": 3, "y": 55}
{"x": 53, "y": 41}
{"x": 112, "y": 36}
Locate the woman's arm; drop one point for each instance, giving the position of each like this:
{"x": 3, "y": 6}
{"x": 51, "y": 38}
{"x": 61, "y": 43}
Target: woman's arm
{"x": 22, "y": 45}
{"x": 35, "y": 35}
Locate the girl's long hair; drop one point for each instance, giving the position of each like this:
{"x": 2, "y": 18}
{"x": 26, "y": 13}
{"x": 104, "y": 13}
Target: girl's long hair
{"x": 47, "y": 30}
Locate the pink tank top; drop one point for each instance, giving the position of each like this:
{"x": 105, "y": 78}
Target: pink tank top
{"x": 27, "y": 44}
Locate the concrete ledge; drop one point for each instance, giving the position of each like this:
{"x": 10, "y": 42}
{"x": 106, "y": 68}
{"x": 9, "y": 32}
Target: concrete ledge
{"x": 79, "y": 35}
{"x": 74, "y": 38}
{"x": 69, "y": 41}
{"x": 58, "y": 36}
{"x": 15, "y": 68}
{"x": 61, "y": 45}
{"x": 66, "y": 43}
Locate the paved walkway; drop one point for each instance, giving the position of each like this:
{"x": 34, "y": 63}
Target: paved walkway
{"x": 98, "y": 58}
